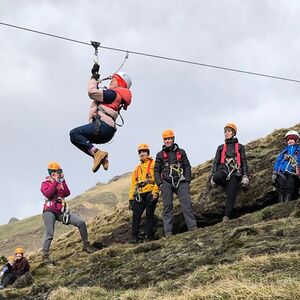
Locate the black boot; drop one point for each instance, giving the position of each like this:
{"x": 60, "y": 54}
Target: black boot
{"x": 288, "y": 197}
{"x": 281, "y": 198}
{"x": 134, "y": 240}
{"x": 88, "y": 248}
{"x": 47, "y": 260}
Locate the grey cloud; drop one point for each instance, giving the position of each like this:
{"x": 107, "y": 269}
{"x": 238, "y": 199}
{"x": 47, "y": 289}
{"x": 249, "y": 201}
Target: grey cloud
{"x": 44, "y": 80}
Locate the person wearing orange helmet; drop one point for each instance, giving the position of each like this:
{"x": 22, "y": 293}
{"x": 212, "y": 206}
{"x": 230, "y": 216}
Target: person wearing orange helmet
{"x": 55, "y": 189}
{"x": 173, "y": 174}
{"x": 230, "y": 168}
{"x": 19, "y": 267}
{"x": 104, "y": 111}
{"x": 143, "y": 194}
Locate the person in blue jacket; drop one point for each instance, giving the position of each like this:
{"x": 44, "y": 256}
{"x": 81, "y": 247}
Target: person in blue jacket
{"x": 286, "y": 168}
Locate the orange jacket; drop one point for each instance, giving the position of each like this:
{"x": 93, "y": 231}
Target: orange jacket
{"x": 143, "y": 178}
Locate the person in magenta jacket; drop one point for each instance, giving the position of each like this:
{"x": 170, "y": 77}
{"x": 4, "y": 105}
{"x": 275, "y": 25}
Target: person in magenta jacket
{"x": 55, "y": 189}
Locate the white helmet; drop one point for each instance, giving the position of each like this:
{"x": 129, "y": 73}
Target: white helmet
{"x": 126, "y": 78}
{"x": 293, "y": 134}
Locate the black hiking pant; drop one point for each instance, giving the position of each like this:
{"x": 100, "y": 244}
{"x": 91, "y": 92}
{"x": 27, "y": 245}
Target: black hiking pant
{"x": 8, "y": 278}
{"x": 138, "y": 209}
{"x": 287, "y": 183}
{"x": 231, "y": 188}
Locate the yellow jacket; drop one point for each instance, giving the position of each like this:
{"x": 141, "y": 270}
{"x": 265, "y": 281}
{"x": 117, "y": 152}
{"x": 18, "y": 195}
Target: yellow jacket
{"x": 143, "y": 178}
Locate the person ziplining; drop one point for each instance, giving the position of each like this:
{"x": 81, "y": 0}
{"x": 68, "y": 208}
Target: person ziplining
{"x": 104, "y": 110}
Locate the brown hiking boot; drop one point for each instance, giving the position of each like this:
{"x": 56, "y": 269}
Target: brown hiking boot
{"x": 88, "y": 248}
{"x": 105, "y": 163}
{"x": 46, "y": 259}
{"x": 98, "y": 157}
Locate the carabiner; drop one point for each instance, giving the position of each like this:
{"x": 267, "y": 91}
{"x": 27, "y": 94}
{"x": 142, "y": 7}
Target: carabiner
{"x": 96, "y": 45}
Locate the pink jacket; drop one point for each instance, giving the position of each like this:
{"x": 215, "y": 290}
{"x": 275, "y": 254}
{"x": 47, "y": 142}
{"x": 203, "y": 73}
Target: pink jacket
{"x": 53, "y": 190}
{"x": 112, "y": 109}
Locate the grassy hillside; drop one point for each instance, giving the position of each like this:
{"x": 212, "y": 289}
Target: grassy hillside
{"x": 254, "y": 256}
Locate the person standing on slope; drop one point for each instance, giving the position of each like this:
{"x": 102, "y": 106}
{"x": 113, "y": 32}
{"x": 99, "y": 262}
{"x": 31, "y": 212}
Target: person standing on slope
{"x": 173, "y": 174}
{"x": 143, "y": 194}
{"x": 104, "y": 111}
{"x": 230, "y": 168}
{"x": 55, "y": 189}
{"x": 286, "y": 168}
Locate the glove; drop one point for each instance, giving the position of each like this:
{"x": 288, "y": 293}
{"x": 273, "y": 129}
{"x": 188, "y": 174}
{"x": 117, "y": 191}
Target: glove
{"x": 274, "y": 177}
{"x": 154, "y": 197}
{"x": 131, "y": 204}
{"x": 213, "y": 184}
{"x": 96, "y": 76}
{"x": 95, "y": 68}
{"x": 245, "y": 181}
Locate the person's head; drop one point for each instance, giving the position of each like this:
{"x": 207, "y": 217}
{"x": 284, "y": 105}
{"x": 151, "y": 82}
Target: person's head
{"x": 292, "y": 137}
{"x": 11, "y": 259}
{"x": 54, "y": 167}
{"x": 19, "y": 252}
{"x": 230, "y": 131}
{"x": 143, "y": 151}
{"x": 120, "y": 79}
{"x": 168, "y": 137}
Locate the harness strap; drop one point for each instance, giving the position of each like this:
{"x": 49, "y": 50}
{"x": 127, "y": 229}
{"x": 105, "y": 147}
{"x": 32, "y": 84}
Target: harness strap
{"x": 237, "y": 153}
{"x": 177, "y": 153}
{"x": 105, "y": 112}
{"x": 147, "y": 173}
{"x": 223, "y": 154}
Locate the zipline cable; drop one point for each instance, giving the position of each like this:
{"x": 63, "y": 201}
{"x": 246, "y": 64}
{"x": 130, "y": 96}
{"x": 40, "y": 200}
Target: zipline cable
{"x": 155, "y": 56}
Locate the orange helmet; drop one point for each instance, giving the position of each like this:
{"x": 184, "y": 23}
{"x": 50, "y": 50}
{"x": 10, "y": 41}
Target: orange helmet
{"x": 19, "y": 250}
{"x": 53, "y": 165}
{"x": 11, "y": 257}
{"x": 232, "y": 127}
{"x": 143, "y": 147}
{"x": 169, "y": 133}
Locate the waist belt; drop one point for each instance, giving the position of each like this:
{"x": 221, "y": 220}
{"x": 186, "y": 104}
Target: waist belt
{"x": 99, "y": 108}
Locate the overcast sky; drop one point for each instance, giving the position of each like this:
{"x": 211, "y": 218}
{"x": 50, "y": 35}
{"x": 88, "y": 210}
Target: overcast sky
{"x": 43, "y": 82}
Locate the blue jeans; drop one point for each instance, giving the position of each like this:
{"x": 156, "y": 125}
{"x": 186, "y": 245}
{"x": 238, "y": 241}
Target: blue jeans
{"x": 96, "y": 132}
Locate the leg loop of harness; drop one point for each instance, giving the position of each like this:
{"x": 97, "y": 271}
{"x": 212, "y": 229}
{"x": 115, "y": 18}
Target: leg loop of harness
{"x": 179, "y": 175}
{"x": 231, "y": 166}
{"x": 66, "y": 214}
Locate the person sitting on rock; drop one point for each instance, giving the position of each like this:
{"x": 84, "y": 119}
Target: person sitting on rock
{"x": 19, "y": 267}
{"x": 55, "y": 189}
{"x": 143, "y": 194}
{"x": 230, "y": 168}
{"x": 286, "y": 168}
